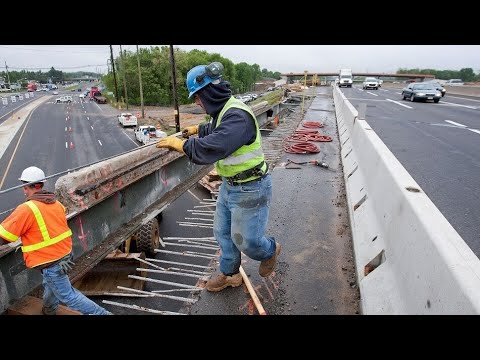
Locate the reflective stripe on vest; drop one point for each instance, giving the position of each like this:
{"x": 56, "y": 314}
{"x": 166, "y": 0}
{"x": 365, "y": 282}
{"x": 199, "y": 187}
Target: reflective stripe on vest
{"x": 7, "y": 235}
{"x": 247, "y": 156}
{"x": 43, "y": 229}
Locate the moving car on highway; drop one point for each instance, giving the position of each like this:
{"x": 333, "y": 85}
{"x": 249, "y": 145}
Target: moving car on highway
{"x": 421, "y": 91}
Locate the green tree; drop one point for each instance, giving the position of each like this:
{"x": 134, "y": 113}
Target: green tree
{"x": 467, "y": 74}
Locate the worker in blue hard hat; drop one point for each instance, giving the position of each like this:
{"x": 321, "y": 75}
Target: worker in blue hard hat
{"x": 231, "y": 141}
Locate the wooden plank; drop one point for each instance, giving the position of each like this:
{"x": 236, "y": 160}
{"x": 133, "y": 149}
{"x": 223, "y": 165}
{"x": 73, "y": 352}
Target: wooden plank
{"x": 30, "y": 305}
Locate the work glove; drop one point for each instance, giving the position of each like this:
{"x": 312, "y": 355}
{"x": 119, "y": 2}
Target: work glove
{"x": 172, "y": 143}
{"x": 190, "y": 130}
{"x": 66, "y": 265}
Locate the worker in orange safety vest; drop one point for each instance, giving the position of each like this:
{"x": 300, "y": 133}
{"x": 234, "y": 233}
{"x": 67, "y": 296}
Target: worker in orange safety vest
{"x": 41, "y": 224}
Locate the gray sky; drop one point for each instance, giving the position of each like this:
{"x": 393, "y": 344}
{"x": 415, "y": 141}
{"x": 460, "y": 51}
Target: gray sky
{"x": 282, "y": 58}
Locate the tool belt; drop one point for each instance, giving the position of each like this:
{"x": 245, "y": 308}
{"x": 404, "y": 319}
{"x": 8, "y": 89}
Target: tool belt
{"x": 256, "y": 171}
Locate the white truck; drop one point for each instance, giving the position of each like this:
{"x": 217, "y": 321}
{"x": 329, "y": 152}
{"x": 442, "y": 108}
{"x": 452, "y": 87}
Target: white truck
{"x": 127, "y": 119}
{"x": 147, "y": 133}
{"x": 346, "y": 78}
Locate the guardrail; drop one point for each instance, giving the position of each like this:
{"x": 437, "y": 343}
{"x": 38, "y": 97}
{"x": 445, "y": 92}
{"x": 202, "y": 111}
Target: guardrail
{"x": 409, "y": 259}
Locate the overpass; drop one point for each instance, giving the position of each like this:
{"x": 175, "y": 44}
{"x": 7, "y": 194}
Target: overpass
{"x": 376, "y": 75}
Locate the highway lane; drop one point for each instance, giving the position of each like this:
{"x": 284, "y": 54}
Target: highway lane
{"x": 59, "y": 137}
{"x": 6, "y": 110}
{"x": 438, "y": 145}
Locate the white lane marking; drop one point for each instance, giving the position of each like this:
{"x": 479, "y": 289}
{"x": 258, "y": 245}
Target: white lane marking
{"x": 88, "y": 118}
{"x": 130, "y": 138}
{"x": 457, "y": 126}
{"x": 98, "y": 107}
{"x": 65, "y": 128}
{"x": 100, "y": 143}
{"x": 453, "y": 104}
{"x": 91, "y": 127}
{"x": 365, "y": 99}
{"x": 384, "y": 90}
{"x": 368, "y": 92}
{"x": 398, "y": 93}
{"x": 66, "y": 118}
{"x": 66, "y": 145}
{"x": 359, "y": 89}
{"x": 456, "y": 97}
{"x": 399, "y": 103}
{"x": 455, "y": 123}
{"x": 446, "y": 125}
{"x": 85, "y": 111}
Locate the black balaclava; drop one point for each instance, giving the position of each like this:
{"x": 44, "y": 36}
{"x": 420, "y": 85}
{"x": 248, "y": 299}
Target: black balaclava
{"x": 214, "y": 97}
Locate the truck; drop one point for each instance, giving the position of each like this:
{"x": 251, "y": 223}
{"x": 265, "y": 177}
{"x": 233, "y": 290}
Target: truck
{"x": 31, "y": 87}
{"x": 346, "y": 78}
{"x": 147, "y": 133}
{"x": 93, "y": 90}
{"x": 127, "y": 119}
{"x": 98, "y": 98}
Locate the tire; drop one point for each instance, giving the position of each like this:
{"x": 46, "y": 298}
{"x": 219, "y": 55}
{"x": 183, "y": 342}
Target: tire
{"x": 436, "y": 101}
{"x": 148, "y": 237}
{"x": 412, "y": 97}
{"x": 404, "y": 97}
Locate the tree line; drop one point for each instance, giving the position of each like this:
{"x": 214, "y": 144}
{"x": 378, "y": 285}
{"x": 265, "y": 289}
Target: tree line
{"x": 156, "y": 74}
{"x": 466, "y": 74}
{"x": 56, "y": 76}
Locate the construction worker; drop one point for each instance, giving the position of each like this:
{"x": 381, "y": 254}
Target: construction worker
{"x": 232, "y": 141}
{"x": 41, "y": 224}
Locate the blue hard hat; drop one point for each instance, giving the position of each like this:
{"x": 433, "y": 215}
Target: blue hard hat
{"x": 198, "y": 78}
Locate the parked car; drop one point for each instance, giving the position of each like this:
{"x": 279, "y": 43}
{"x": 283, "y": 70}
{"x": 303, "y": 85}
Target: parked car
{"x": 421, "y": 91}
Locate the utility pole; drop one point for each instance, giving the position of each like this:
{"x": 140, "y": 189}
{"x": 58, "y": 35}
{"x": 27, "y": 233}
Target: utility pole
{"x": 140, "y": 81}
{"x": 8, "y": 76}
{"x": 174, "y": 88}
{"x": 114, "y": 75}
{"x": 124, "y": 73}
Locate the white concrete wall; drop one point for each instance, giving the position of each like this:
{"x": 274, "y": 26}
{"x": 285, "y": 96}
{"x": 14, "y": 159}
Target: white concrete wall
{"x": 409, "y": 259}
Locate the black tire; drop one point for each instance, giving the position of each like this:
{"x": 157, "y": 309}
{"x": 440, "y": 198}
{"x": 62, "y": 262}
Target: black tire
{"x": 148, "y": 237}
{"x": 412, "y": 97}
{"x": 404, "y": 97}
{"x": 436, "y": 100}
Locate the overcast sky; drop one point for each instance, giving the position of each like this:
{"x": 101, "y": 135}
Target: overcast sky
{"x": 282, "y": 58}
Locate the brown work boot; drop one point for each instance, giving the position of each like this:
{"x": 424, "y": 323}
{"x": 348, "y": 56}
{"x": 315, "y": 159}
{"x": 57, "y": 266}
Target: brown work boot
{"x": 221, "y": 281}
{"x": 267, "y": 266}
{"x": 48, "y": 311}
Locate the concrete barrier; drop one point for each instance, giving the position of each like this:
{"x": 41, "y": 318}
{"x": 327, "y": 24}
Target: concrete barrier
{"x": 409, "y": 259}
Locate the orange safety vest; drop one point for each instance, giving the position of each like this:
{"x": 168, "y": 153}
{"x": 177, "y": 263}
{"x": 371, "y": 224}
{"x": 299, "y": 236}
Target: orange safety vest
{"x": 43, "y": 228}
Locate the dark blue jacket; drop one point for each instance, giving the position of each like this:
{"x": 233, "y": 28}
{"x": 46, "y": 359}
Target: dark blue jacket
{"x": 215, "y": 143}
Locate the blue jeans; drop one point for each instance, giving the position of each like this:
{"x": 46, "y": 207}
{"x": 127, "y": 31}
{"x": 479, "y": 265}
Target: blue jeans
{"x": 58, "y": 289}
{"x": 240, "y": 221}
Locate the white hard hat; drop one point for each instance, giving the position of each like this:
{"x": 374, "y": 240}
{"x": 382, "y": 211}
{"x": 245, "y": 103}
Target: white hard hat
{"x": 32, "y": 174}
